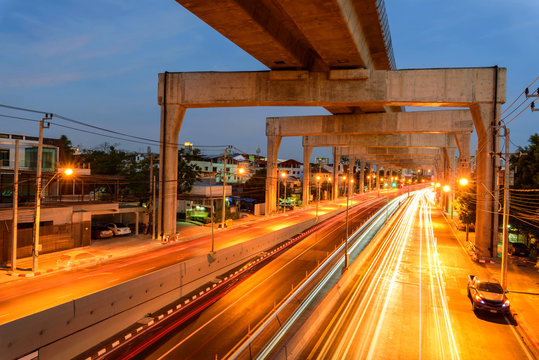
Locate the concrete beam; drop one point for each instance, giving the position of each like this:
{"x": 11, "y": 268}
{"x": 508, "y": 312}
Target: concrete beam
{"x": 444, "y": 121}
{"x": 417, "y": 87}
{"x": 482, "y": 90}
{"x": 366, "y": 150}
{"x": 385, "y": 140}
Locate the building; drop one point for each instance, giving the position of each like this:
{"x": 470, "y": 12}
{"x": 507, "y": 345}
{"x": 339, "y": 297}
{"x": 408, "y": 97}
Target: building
{"x": 69, "y": 206}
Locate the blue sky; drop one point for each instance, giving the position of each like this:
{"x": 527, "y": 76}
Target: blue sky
{"x": 98, "y": 61}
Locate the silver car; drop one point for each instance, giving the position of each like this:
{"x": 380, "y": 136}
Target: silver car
{"x": 119, "y": 229}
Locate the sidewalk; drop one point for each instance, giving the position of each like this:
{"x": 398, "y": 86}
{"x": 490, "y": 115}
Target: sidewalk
{"x": 102, "y": 250}
{"x": 523, "y": 286}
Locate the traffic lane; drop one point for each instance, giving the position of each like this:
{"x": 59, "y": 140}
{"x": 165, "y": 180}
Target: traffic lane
{"x": 220, "y": 327}
{"x": 427, "y": 329}
{"x": 18, "y": 298}
{"x": 476, "y": 333}
{"x": 367, "y": 306}
{"x": 58, "y": 288}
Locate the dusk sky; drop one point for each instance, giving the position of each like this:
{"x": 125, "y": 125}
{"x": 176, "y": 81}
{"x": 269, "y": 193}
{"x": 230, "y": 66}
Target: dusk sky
{"x": 97, "y": 62}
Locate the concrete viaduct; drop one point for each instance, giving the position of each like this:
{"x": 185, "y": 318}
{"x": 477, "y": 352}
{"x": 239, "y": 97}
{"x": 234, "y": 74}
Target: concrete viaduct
{"x": 335, "y": 54}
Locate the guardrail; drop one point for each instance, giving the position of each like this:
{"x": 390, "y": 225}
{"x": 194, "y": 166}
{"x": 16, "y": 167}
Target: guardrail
{"x": 244, "y": 350}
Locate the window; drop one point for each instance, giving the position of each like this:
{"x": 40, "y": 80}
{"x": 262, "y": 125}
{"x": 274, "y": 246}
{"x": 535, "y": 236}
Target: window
{"x": 4, "y": 157}
{"x": 48, "y": 162}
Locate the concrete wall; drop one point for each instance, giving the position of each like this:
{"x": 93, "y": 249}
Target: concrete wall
{"x": 71, "y": 328}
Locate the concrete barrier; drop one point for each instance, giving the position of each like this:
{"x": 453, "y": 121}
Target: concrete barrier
{"x": 69, "y": 329}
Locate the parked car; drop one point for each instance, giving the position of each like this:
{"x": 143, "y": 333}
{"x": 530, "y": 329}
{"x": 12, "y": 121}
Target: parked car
{"x": 516, "y": 248}
{"x": 487, "y": 295}
{"x": 119, "y": 229}
{"x": 101, "y": 232}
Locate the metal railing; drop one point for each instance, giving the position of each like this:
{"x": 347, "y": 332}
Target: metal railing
{"x": 382, "y": 15}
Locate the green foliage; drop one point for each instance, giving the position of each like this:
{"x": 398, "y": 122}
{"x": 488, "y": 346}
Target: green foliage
{"x": 255, "y": 187}
{"x": 135, "y": 169}
{"x": 188, "y": 173}
{"x": 465, "y": 201}
{"x": 67, "y": 148}
{"x": 526, "y": 170}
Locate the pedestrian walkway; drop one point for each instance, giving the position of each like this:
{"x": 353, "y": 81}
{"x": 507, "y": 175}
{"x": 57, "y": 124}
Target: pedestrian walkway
{"x": 523, "y": 286}
{"x": 102, "y": 250}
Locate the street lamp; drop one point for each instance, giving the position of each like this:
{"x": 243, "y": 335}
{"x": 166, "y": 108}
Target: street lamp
{"x": 318, "y": 201}
{"x": 39, "y": 196}
{"x": 330, "y": 190}
{"x": 241, "y": 172}
{"x": 463, "y": 181}
{"x": 284, "y": 176}
{"x": 346, "y": 239}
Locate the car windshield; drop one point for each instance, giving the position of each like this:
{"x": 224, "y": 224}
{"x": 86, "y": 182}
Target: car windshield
{"x": 120, "y": 225}
{"x": 490, "y": 287}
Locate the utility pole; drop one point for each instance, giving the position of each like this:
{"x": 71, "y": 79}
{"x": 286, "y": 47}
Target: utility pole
{"x": 152, "y": 189}
{"x": 505, "y": 244}
{"x": 346, "y": 239}
{"x": 224, "y": 189}
{"x": 15, "y": 208}
{"x": 36, "y": 247}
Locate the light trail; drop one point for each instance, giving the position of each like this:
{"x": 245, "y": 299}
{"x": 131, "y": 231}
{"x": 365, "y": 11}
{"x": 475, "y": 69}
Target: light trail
{"x": 372, "y": 307}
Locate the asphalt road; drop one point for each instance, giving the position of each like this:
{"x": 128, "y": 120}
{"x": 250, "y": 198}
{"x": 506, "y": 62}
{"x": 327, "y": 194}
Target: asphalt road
{"x": 412, "y": 302}
{"x": 25, "y": 296}
{"x": 219, "y": 328}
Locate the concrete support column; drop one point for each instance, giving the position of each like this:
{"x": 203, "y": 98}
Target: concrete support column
{"x": 486, "y": 224}
{"x": 361, "y": 177}
{"x": 271, "y": 174}
{"x": 369, "y": 177}
{"x": 349, "y": 175}
{"x": 307, "y": 152}
{"x": 464, "y": 155}
{"x": 353, "y": 170}
{"x": 378, "y": 177}
{"x": 336, "y": 161}
{"x": 171, "y": 122}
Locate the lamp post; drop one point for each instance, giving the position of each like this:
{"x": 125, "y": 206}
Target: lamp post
{"x": 241, "y": 172}
{"x": 318, "y": 200}
{"x": 284, "y": 176}
{"x": 329, "y": 188}
{"x": 446, "y": 189}
{"x": 351, "y": 181}
{"x": 39, "y": 196}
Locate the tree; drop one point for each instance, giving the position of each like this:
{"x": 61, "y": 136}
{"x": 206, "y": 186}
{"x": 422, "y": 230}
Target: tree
{"x": 67, "y": 149}
{"x": 465, "y": 202}
{"x": 188, "y": 173}
{"x": 524, "y": 209}
{"x": 255, "y": 187}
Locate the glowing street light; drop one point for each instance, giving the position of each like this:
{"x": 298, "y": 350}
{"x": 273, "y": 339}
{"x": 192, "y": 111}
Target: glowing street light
{"x": 446, "y": 188}
{"x": 318, "y": 202}
{"x": 463, "y": 181}
{"x": 284, "y": 175}
{"x": 346, "y": 239}
{"x": 39, "y": 196}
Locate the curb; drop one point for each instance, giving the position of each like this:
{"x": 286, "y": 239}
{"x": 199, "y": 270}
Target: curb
{"x": 195, "y": 296}
{"x": 532, "y": 345}
{"x": 59, "y": 268}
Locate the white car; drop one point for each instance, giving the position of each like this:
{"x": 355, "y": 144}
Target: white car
{"x": 119, "y": 229}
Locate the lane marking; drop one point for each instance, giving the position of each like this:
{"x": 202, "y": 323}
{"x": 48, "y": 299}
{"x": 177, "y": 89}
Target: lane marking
{"x": 517, "y": 336}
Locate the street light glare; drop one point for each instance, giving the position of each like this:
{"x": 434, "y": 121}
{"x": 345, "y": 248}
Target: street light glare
{"x": 437, "y": 184}
{"x": 463, "y": 181}
{"x": 241, "y": 170}
{"x": 68, "y": 172}
{"x": 283, "y": 174}
{"x": 446, "y": 188}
